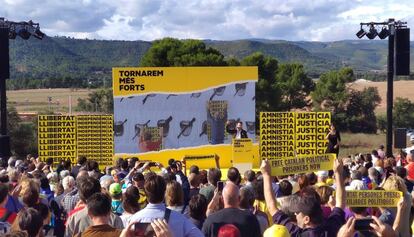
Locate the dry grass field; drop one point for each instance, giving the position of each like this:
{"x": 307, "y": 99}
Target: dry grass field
{"x": 404, "y": 89}
{"x": 353, "y": 143}
{"x": 37, "y": 99}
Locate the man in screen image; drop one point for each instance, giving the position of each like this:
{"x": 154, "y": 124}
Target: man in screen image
{"x": 146, "y": 142}
{"x": 237, "y": 133}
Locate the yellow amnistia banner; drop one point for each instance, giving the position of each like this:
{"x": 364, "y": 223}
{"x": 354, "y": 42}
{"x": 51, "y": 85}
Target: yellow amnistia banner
{"x": 129, "y": 81}
{"x": 372, "y": 198}
{"x": 292, "y": 134}
{"x": 294, "y": 142}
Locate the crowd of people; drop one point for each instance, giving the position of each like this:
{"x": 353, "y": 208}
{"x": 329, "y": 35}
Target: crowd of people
{"x": 138, "y": 198}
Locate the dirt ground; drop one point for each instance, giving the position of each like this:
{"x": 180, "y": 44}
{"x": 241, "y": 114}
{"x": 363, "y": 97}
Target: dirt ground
{"x": 38, "y": 99}
{"x": 404, "y": 89}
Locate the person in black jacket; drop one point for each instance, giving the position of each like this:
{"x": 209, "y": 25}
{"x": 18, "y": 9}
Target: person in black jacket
{"x": 334, "y": 140}
{"x": 237, "y": 133}
{"x": 81, "y": 163}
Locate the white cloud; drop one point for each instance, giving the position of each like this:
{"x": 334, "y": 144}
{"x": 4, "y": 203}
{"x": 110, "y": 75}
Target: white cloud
{"x": 322, "y": 20}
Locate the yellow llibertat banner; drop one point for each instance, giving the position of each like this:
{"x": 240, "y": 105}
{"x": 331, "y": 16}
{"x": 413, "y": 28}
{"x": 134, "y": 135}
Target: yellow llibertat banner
{"x": 295, "y": 142}
{"x": 372, "y": 198}
{"x": 141, "y": 80}
{"x": 67, "y": 137}
{"x": 57, "y": 137}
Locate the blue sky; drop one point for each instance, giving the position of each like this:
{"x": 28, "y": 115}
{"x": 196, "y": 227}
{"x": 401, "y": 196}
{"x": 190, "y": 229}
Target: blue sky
{"x": 310, "y": 20}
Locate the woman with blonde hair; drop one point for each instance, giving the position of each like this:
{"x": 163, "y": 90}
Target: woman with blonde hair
{"x": 174, "y": 198}
{"x": 402, "y": 222}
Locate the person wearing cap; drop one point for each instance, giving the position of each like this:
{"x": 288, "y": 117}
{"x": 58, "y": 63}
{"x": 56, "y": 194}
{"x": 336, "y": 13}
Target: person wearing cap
{"x": 116, "y": 195}
{"x": 276, "y": 231}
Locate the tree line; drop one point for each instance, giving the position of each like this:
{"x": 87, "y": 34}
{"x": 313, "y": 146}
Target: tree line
{"x": 281, "y": 87}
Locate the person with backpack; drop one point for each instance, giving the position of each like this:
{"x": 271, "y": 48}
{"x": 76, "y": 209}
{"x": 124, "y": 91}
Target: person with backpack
{"x": 116, "y": 195}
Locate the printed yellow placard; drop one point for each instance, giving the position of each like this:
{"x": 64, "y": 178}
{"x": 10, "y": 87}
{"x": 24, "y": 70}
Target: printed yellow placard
{"x": 142, "y": 80}
{"x": 277, "y": 135}
{"x": 67, "y": 137}
{"x": 242, "y": 150}
{"x": 303, "y": 164}
{"x": 209, "y": 159}
{"x": 95, "y": 138}
{"x": 293, "y": 134}
{"x": 372, "y": 198}
{"x": 57, "y": 137}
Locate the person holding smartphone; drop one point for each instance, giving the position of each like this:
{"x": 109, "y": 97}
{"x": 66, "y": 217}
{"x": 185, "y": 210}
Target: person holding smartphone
{"x": 371, "y": 225}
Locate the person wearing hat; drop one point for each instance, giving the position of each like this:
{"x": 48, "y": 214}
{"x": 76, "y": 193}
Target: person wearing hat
{"x": 116, "y": 195}
{"x": 276, "y": 231}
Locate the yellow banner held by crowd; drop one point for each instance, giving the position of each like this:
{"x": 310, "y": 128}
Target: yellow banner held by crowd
{"x": 372, "y": 198}
{"x": 304, "y": 164}
{"x": 290, "y": 139}
{"x": 129, "y": 81}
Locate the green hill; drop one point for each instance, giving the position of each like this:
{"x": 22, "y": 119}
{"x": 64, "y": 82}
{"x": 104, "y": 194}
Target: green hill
{"x": 56, "y": 59}
{"x": 60, "y": 57}
{"x": 284, "y": 51}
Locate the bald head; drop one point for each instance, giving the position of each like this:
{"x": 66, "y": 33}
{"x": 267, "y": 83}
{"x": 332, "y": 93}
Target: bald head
{"x": 231, "y": 195}
{"x": 82, "y": 173}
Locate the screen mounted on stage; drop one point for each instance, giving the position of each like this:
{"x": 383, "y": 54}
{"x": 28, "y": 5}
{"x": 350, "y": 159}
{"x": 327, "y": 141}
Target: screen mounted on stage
{"x": 159, "y": 108}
